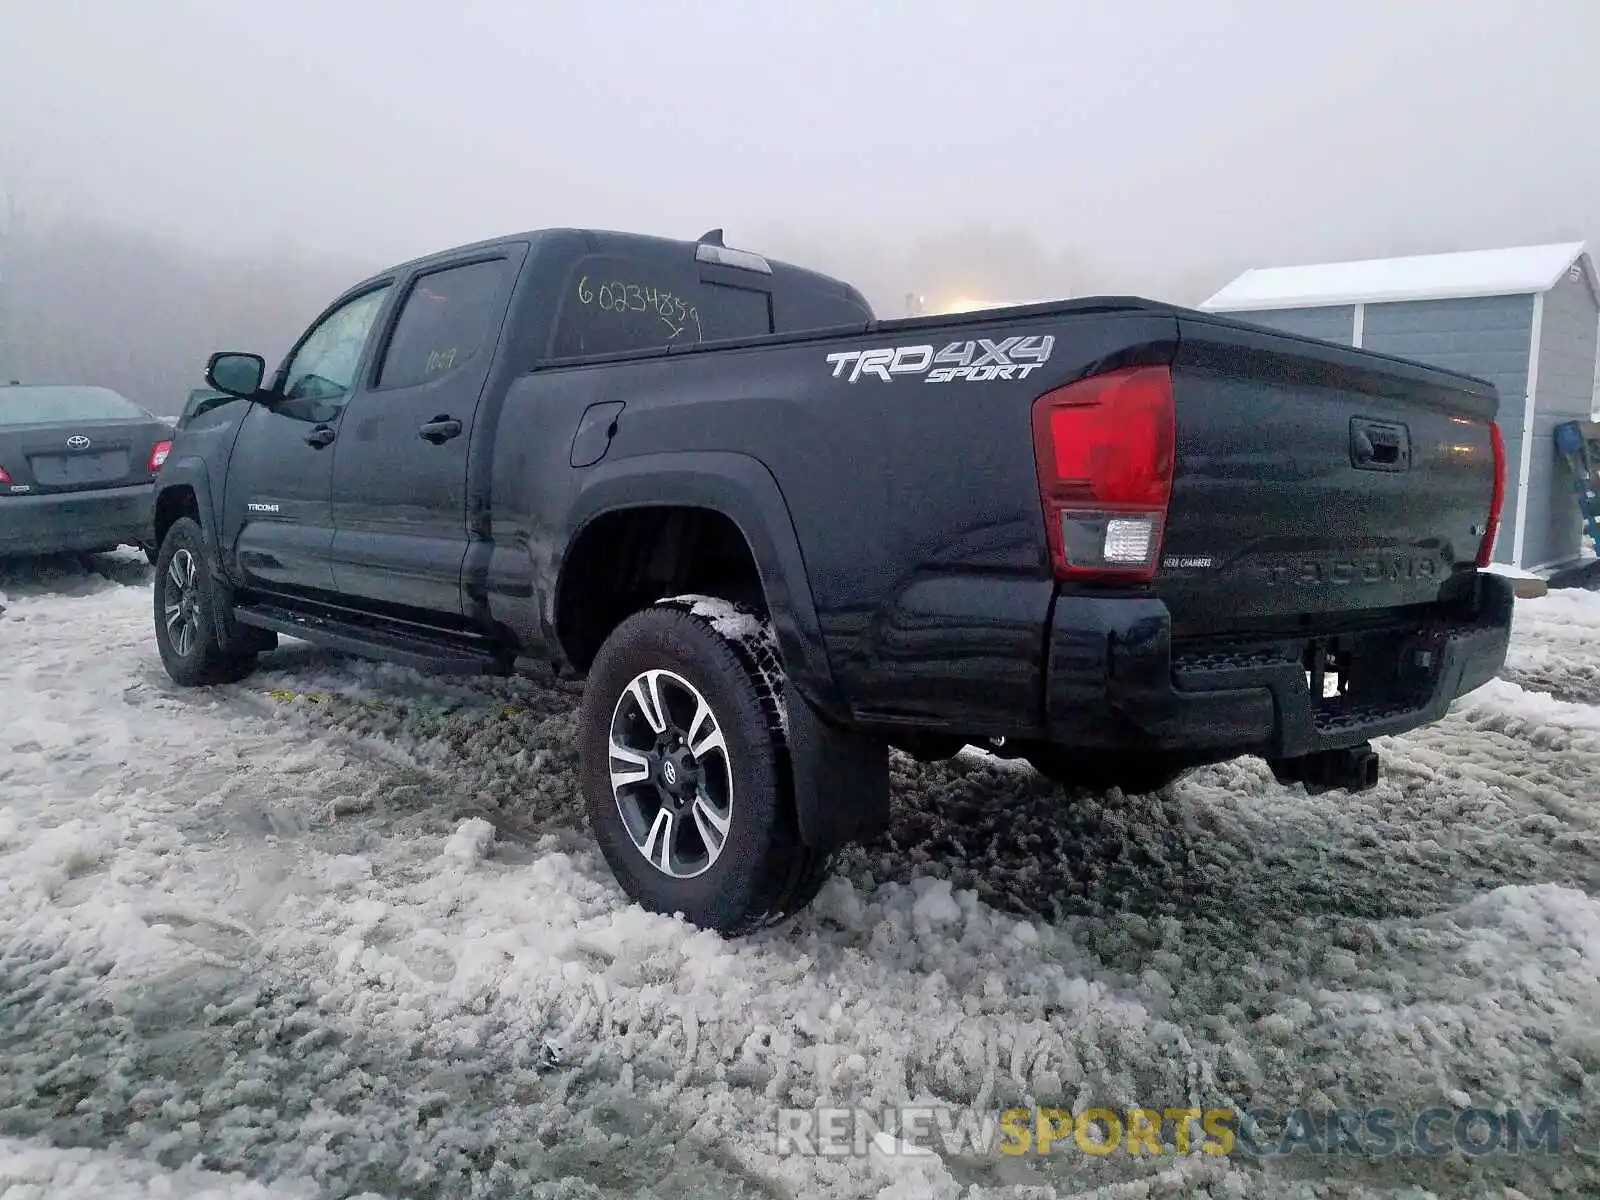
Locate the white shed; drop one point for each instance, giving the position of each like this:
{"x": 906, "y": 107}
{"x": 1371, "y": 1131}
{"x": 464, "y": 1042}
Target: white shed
{"x": 1526, "y": 318}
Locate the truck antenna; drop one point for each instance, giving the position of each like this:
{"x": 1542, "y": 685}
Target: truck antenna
{"x": 712, "y": 237}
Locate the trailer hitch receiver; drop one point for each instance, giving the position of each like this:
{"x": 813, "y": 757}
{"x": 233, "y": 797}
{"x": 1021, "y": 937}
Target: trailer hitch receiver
{"x": 1353, "y": 770}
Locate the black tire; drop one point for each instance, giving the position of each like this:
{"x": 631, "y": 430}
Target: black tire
{"x": 189, "y": 648}
{"x": 761, "y": 871}
{"x": 151, "y": 552}
{"x": 1100, "y": 771}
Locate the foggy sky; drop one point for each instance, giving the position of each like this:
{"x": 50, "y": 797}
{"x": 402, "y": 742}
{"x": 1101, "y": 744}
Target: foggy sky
{"x": 1012, "y": 150}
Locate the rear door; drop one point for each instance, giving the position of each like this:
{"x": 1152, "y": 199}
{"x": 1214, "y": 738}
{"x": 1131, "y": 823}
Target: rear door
{"x": 400, "y": 465}
{"x": 278, "y": 514}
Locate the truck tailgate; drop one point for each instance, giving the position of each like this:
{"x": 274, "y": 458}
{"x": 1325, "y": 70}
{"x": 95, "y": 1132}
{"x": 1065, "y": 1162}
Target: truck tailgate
{"x": 1313, "y": 483}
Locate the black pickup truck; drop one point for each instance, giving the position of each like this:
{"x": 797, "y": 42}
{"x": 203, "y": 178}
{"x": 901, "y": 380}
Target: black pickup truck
{"x": 778, "y": 536}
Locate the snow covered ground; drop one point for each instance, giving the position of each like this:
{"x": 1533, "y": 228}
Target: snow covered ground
{"x": 338, "y": 930}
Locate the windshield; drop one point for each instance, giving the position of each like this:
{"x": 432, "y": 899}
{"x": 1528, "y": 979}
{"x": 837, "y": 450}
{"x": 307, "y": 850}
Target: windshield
{"x": 52, "y": 405}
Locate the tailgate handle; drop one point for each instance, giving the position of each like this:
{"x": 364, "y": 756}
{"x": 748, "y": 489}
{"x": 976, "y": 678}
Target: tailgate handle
{"x": 1379, "y": 445}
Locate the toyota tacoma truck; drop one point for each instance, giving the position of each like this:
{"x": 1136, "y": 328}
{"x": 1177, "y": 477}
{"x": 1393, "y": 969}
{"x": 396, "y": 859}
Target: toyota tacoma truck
{"x": 778, "y": 536}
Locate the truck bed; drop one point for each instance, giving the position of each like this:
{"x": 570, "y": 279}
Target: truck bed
{"x": 1313, "y": 490}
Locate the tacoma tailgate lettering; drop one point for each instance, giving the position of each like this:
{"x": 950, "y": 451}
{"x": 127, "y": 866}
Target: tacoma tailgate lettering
{"x": 1340, "y": 572}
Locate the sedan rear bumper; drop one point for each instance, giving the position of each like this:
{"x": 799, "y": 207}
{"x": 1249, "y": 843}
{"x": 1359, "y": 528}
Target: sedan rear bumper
{"x": 77, "y": 521}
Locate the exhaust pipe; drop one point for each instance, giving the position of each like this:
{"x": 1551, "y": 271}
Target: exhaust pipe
{"x": 1351, "y": 770}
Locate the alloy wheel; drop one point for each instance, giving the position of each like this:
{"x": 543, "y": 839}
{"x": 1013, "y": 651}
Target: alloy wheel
{"x": 181, "y": 603}
{"x": 670, "y": 773}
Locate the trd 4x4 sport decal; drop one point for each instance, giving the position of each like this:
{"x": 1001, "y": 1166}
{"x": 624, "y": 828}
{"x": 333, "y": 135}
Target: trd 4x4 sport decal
{"x": 976, "y": 361}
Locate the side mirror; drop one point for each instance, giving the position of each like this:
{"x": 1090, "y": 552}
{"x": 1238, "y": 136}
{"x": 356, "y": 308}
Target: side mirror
{"x": 236, "y": 374}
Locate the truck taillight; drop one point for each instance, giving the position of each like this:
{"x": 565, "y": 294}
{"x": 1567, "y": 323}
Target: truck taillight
{"x": 1497, "y": 498}
{"x": 1104, "y": 451}
{"x": 158, "y": 456}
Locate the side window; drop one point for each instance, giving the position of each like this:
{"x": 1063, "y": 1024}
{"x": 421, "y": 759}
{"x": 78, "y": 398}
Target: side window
{"x": 448, "y": 317}
{"x": 615, "y": 303}
{"x": 324, "y": 367}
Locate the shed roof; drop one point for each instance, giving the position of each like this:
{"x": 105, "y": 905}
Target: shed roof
{"x": 1519, "y": 270}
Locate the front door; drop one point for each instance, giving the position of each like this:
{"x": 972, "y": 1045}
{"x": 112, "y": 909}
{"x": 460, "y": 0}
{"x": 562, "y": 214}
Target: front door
{"x": 400, "y": 465}
{"x": 278, "y": 504}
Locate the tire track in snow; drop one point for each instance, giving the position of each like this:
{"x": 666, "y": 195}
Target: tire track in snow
{"x": 159, "y": 1000}
{"x": 1223, "y": 943}
{"x": 1555, "y": 646}
{"x": 1229, "y": 855}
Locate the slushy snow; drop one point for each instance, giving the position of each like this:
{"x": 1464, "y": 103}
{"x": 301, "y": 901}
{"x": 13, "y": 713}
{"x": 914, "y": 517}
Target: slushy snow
{"x": 339, "y": 930}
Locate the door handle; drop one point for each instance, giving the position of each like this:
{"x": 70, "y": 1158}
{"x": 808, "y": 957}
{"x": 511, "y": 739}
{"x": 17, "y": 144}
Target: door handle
{"x": 440, "y": 430}
{"x": 321, "y": 436}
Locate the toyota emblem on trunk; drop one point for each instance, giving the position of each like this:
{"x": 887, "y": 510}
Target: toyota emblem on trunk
{"x": 78, "y": 442}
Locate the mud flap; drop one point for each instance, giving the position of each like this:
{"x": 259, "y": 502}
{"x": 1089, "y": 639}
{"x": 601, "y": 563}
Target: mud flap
{"x": 232, "y": 637}
{"x": 841, "y": 779}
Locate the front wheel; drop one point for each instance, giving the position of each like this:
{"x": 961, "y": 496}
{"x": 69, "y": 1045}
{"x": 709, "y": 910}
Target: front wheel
{"x": 185, "y": 633}
{"x": 685, "y": 767}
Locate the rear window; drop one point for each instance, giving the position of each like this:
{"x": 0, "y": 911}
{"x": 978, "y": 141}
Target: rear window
{"x": 49, "y": 405}
{"x": 447, "y": 318}
{"x": 614, "y": 304}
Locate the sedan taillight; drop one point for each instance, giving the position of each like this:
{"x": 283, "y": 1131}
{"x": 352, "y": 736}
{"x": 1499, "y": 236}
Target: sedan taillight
{"x": 4, "y": 478}
{"x": 159, "y": 455}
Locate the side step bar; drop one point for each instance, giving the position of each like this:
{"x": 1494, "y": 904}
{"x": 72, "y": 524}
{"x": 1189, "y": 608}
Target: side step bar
{"x": 444, "y": 653}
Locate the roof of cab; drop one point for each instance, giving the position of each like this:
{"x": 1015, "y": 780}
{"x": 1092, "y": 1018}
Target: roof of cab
{"x": 608, "y": 240}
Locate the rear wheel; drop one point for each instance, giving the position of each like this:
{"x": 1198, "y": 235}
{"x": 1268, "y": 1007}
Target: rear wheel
{"x": 185, "y": 634}
{"x": 1100, "y": 771}
{"x": 685, "y": 768}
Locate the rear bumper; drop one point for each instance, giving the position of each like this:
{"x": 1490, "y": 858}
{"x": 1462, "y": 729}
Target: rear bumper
{"x": 1116, "y": 681}
{"x": 67, "y": 521}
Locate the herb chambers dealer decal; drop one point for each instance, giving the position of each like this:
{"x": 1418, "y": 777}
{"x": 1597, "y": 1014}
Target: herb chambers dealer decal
{"x": 976, "y": 361}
